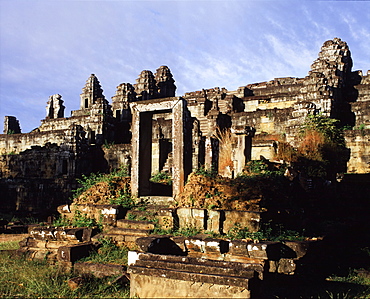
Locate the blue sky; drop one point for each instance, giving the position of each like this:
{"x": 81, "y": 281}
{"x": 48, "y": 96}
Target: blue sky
{"x": 52, "y": 46}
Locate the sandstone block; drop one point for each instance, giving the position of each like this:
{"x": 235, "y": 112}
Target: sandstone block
{"x": 194, "y": 218}
{"x": 214, "y": 221}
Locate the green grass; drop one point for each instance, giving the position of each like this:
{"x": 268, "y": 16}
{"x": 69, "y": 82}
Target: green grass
{"x": 9, "y": 245}
{"x": 31, "y": 279}
{"x": 108, "y": 253}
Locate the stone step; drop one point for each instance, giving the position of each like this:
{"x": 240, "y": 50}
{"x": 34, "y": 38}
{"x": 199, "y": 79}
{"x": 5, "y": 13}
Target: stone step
{"x": 129, "y": 231}
{"x": 167, "y": 167}
{"x": 135, "y": 224}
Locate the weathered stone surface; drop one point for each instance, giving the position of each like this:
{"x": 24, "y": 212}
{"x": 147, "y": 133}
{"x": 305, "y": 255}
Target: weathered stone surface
{"x": 189, "y": 217}
{"x": 192, "y": 277}
{"x": 214, "y": 221}
{"x": 248, "y": 219}
{"x": 61, "y": 234}
{"x": 208, "y": 246}
{"x": 144, "y": 286}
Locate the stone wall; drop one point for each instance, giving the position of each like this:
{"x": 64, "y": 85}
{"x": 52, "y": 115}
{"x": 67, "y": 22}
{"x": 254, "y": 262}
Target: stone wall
{"x": 358, "y": 142}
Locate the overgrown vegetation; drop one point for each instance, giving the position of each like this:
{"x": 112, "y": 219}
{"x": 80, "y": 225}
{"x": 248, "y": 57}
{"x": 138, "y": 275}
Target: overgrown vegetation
{"x": 321, "y": 151}
{"x": 79, "y": 220}
{"x": 88, "y": 181}
{"x": 161, "y": 177}
{"x": 225, "y": 162}
{"x": 206, "y": 189}
{"x": 266, "y": 233}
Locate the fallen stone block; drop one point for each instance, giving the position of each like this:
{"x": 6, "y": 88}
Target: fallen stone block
{"x": 299, "y": 247}
{"x": 72, "y": 253}
{"x": 81, "y": 234}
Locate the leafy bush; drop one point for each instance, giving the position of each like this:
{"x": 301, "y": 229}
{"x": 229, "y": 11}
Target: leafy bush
{"x": 124, "y": 199}
{"x": 161, "y": 177}
{"x": 211, "y": 173}
{"x": 188, "y": 231}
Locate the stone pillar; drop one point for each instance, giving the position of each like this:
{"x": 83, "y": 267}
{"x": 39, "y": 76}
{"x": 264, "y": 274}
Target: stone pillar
{"x": 208, "y": 153}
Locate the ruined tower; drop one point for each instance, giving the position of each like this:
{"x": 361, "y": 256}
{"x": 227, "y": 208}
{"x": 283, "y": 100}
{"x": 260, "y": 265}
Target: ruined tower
{"x": 55, "y": 107}
{"x": 91, "y": 92}
{"x": 145, "y": 87}
{"x": 125, "y": 94}
{"x": 165, "y": 83}
{"x": 325, "y": 85}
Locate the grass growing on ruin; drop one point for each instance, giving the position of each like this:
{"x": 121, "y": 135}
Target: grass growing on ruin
{"x": 266, "y": 233}
{"x": 29, "y": 279}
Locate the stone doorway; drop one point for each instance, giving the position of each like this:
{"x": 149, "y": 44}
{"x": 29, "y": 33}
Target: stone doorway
{"x": 157, "y": 146}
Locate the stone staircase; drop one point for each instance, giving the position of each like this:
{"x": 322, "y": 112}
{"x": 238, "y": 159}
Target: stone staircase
{"x": 127, "y": 231}
{"x": 167, "y": 167}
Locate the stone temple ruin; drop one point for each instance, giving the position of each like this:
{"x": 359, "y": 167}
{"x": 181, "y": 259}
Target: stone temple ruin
{"x": 152, "y": 130}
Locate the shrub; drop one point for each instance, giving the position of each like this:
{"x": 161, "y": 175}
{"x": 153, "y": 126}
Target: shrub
{"x": 161, "y": 177}
{"x": 225, "y": 162}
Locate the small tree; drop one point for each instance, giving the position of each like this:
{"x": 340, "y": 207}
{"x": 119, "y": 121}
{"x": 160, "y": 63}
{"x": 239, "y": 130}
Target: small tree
{"x": 321, "y": 151}
{"x": 225, "y": 161}
{"x": 322, "y": 146}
